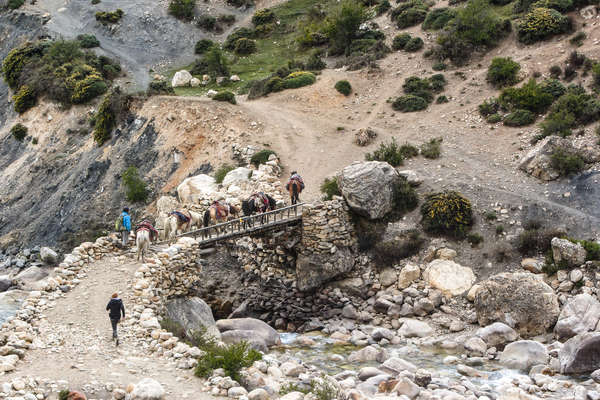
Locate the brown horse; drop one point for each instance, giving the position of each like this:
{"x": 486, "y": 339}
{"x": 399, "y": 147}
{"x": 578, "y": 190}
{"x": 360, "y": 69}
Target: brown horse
{"x": 219, "y": 212}
{"x": 294, "y": 188}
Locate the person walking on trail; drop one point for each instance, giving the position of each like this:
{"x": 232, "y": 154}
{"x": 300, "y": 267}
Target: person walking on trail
{"x": 115, "y": 309}
{"x": 125, "y": 226}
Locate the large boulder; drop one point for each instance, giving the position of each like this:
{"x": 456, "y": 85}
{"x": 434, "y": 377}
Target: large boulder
{"x": 195, "y": 188}
{"x": 497, "y": 334}
{"x": 538, "y": 162}
{"x": 148, "y": 389}
{"x": 579, "y": 315}
{"x": 193, "y": 314}
{"x": 368, "y": 187}
{"x": 580, "y": 354}
{"x": 415, "y": 328}
{"x": 166, "y": 204}
{"x": 5, "y": 283}
{"x": 450, "y": 278}
{"x": 520, "y": 300}
{"x": 31, "y": 274}
{"x": 260, "y": 335}
{"x": 567, "y": 253}
{"x": 48, "y": 255}
{"x": 236, "y": 176}
{"x": 524, "y": 354}
{"x": 181, "y": 78}
{"x": 314, "y": 269}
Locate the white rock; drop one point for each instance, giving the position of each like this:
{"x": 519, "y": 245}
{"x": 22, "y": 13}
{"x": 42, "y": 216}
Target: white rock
{"x": 181, "y": 78}
{"x": 450, "y": 278}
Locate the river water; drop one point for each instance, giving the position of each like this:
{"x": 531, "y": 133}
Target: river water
{"x": 10, "y": 303}
{"x": 494, "y": 377}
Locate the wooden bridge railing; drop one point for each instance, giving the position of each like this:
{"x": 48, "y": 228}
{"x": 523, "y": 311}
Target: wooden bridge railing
{"x": 246, "y": 225}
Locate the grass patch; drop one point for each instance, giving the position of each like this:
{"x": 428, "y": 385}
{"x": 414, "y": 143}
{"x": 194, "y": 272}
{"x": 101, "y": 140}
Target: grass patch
{"x": 135, "y": 187}
{"x": 330, "y": 188}
{"x": 432, "y": 149}
{"x": 261, "y": 157}
{"x": 222, "y": 171}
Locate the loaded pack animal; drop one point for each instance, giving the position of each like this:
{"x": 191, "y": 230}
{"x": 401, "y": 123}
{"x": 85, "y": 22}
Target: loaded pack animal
{"x": 295, "y": 186}
{"x": 144, "y": 235}
{"x": 258, "y": 203}
{"x": 219, "y": 212}
{"x": 180, "y": 222}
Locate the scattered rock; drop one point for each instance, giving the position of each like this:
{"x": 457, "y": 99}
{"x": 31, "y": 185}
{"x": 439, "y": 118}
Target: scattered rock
{"x": 524, "y": 354}
{"x": 450, "y": 278}
{"x": 520, "y": 300}
{"x": 368, "y": 187}
{"x": 415, "y": 328}
{"x": 579, "y": 315}
{"x": 580, "y": 354}
{"x": 181, "y": 78}
{"x": 567, "y": 252}
{"x": 148, "y": 389}
{"x": 48, "y": 255}
{"x": 192, "y": 313}
{"x": 497, "y": 334}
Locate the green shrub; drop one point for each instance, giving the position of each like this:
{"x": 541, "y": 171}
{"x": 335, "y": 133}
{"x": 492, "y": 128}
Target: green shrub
{"x": 236, "y": 35}
{"x": 438, "y": 18}
{"x": 203, "y": 45}
{"x": 447, "y": 213}
{"x": 299, "y": 79}
{"x": 19, "y": 132}
{"x": 441, "y": 99}
{"x": 530, "y": 97}
{"x": 182, "y": 9}
{"x": 244, "y": 47}
{"x": 388, "y": 152}
{"x": 592, "y": 249}
{"x": 566, "y": 163}
{"x": 216, "y": 63}
{"x": 578, "y": 39}
{"x": 315, "y": 62}
{"x": 88, "y": 41}
{"x": 519, "y": 118}
{"x": 24, "y": 99}
{"x": 499, "y": 229}
{"x": 414, "y": 44}
{"x": 432, "y": 149}
{"x": 409, "y": 13}
{"x": 493, "y": 118}
{"x": 474, "y": 238}
{"x": 88, "y": 88}
{"x": 409, "y": 103}
{"x": 135, "y": 187}
{"x": 231, "y": 358}
{"x": 408, "y": 151}
{"x": 383, "y": 7}
{"x": 222, "y": 171}
{"x": 489, "y": 106}
{"x": 503, "y": 71}
{"x": 553, "y": 87}
{"x": 572, "y": 108}
{"x": 261, "y": 157}
{"x": 14, "y": 4}
{"x": 330, "y": 188}
{"x": 109, "y": 111}
{"x": 207, "y": 22}
{"x": 159, "y": 87}
{"x": 405, "y": 197}
{"x": 64, "y": 394}
{"x": 542, "y": 23}
{"x": 109, "y": 17}
{"x": 343, "y": 87}
{"x": 475, "y": 26}
{"x": 400, "y": 41}
{"x": 439, "y": 66}
{"x": 225, "y": 96}
{"x": 264, "y": 16}
{"x": 227, "y": 19}
{"x": 343, "y": 26}
{"x": 536, "y": 239}
{"x": 596, "y": 74}
{"x": 555, "y": 71}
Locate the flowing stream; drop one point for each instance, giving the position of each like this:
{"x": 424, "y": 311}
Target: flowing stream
{"x": 494, "y": 375}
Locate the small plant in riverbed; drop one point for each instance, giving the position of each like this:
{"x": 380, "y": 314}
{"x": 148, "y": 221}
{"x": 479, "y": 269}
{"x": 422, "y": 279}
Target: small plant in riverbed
{"x": 474, "y": 238}
{"x": 432, "y": 149}
{"x": 232, "y": 358}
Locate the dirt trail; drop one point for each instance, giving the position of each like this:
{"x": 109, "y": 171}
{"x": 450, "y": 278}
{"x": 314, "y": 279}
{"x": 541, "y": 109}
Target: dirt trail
{"x": 75, "y": 345}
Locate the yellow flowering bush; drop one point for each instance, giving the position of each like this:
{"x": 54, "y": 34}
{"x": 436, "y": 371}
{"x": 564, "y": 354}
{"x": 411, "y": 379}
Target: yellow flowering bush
{"x": 447, "y": 213}
{"x": 541, "y": 23}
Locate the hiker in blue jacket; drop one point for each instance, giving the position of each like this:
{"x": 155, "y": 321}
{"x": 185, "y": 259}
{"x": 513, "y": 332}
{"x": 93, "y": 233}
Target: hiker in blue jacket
{"x": 125, "y": 225}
